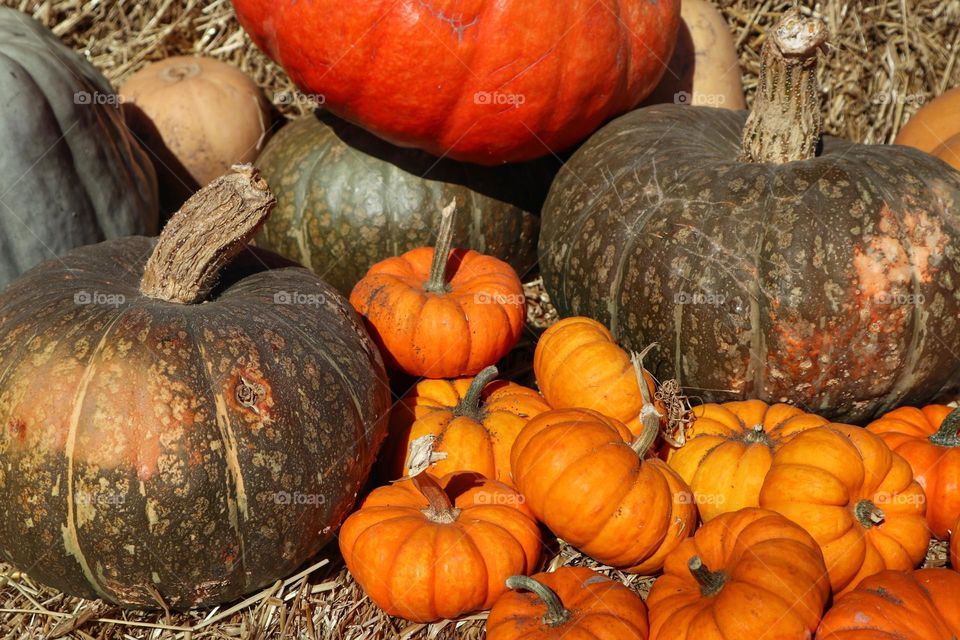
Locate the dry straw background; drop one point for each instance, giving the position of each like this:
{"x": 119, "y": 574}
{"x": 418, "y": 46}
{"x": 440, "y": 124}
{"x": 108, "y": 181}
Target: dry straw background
{"x": 887, "y": 57}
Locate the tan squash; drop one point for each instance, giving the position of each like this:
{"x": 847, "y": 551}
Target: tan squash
{"x": 935, "y": 127}
{"x": 704, "y": 69}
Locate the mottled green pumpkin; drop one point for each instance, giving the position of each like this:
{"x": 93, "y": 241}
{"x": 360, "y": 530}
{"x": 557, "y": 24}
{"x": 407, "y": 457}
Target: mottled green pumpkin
{"x": 70, "y": 172}
{"x": 347, "y": 200}
{"x": 188, "y": 449}
{"x": 823, "y": 275}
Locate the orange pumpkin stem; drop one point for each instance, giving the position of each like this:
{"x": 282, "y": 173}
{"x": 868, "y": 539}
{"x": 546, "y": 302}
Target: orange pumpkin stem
{"x": 556, "y": 614}
{"x": 786, "y": 119}
{"x": 212, "y": 227}
{"x": 440, "y": 509}
{"x": 649, "y": 416}
{"x": 711, "y": 582}
{"x": 441, "y": 252}
{"x": 946, "y": 435}
{"x": 469, "y": 405}
{"x": 868, "y": 514}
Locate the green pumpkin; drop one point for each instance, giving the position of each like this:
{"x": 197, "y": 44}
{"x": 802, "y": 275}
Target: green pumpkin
{"x": 70, "y": 172}
{"x": 347, "y": 200}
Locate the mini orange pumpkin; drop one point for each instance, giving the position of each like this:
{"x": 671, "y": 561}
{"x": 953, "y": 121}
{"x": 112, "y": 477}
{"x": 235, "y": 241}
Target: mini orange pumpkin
{"x": 856, "y": 497}
{"x": 571, "y": 603}
{"x": 578, "y": 363}
{"x": 480, "y": 528}
{"x": 729, "y": 448}
{"x": 587, "y": 477}
{"x": 897, "y": 605}
{"x": 928, "y": 438}
{"x": 474, "y": 436}
{"x": 747, "y": 574}
{"x": 442, "y": 314}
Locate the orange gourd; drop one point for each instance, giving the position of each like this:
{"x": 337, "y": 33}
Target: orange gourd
{"x": 442, "y": 314}
{"x": 475, "y": 421}
{"x": 747, "y": 574}
{"x": 729, "y": 448}
{"x": 571, "y": 603}
{"x": 578, "y": 363}
{"x": 897, "y": 605}
{"x": 928, "y": 439}
{"x": 856, "y": 497}
{"x": 934, "y": 125}
{"x": 425, "y": 550}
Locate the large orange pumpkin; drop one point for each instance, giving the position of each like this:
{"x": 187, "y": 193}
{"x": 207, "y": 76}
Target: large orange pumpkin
{"x": 729, "y": 449}
{"x": 579, "y": 364}
{"x": 897, "y": 605}
{"x": 746, "y": 574}
{"x": 936, "y": 128}
{"x": 474, "y": 435}
{"x": 587, "y": 477}
{"x": 439, "y": 314}
{"x": 571, "y": 603}
{"x": 425, "y": 550}
{"x": 856, "y": 497}
{"x": 928, "y": 439}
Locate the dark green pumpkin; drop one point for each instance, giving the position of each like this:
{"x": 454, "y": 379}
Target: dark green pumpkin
{"x": 831, "y": 281}
{"x": 156, "y": 448}
{"x": 347, "y": 200}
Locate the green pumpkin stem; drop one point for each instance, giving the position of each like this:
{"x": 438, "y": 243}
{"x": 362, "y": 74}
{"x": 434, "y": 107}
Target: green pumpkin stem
{"x": 946, "y": 435}
{"x": 868, "y": 514}
{"x": 469, "y": 405}
{"x": 212, "y": 227}
{"x": 711, "y": 582}
{"x": 441, "y": 252}
{"x": 556, "y": 614}
{"x": 649, "y": 416}
{"x": 785, "y": 122}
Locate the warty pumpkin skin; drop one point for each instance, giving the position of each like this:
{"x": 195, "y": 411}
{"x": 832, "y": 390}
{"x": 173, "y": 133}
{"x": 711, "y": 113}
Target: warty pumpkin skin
{"x": 70, "y": 172}
{"x": 347, "y": 200}
{"x": 475, "y": 422}
{"x": 823, "y": 276}
{"x": 928, "y": 438}
{"x": 154, "y": 446}
{"x": 745, "y": 574}
{"x": 426, "y": 549}
{"x": 856, "y": 498}
{"x": 571, "y": 603}
{"x": 486, "y": 82}
{"x": 729, "y": 448}
{"x": 897, "y": 605}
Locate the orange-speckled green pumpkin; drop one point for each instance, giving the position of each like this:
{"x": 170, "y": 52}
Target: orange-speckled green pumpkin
{"x": 165, "y": 440}
{"x": 768, "y": 261}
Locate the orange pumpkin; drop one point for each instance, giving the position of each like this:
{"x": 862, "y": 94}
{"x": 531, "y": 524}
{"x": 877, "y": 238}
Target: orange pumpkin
{"x": 897, "y": 605}
{"x": 474, "y": 435}
{"x": 571, "y": 603}
{"x": 856, "y": 497}
{"x": 578, "y": 363}
{"x": 933, "y": 126}
{"x": 955, "y": 546}
{"x": 587, "y": 477}
{"x": 747, "y": 574}
{"x": 442, "y": 314}
{"x": 480, "y": 528}
{"x": 928, "y": 439}
{"x": 729, "y": 448}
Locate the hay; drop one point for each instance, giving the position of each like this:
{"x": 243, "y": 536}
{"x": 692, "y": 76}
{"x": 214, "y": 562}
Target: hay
{"x": 888, "y": 57}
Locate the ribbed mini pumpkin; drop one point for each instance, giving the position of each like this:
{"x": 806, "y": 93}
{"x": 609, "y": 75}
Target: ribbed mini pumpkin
{"x": 928, "y": 438}
{"x": 475, "y": 422}
{"x": 729, "y": 448}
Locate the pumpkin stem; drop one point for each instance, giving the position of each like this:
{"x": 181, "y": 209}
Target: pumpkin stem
{"x": 556, "y": 614}
{"x": 440, "y": 509}
{"x": 649, "y": 416}
{"x": 711, "y": 582}
{"x": 469, "y": 405}
{"x": 868, "y": 514}
{"x": 212, "y": 227}
{"x": 757, "y": 435}
{"x": 786, "y": 119}
{"x": 441, "y": 252}
{"x": 946, "y": 435}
